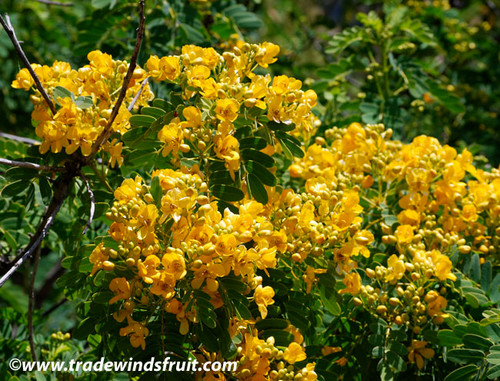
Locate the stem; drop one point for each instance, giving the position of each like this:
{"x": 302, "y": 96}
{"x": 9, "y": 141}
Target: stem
{"x": 49, "y": 2}
{"x": 12, "y": 35}
{"x": 25, "y": 164}
{"x": 31, "y": 303}
{"x": 101, "y": 177}
{"x": 133, "y": 63}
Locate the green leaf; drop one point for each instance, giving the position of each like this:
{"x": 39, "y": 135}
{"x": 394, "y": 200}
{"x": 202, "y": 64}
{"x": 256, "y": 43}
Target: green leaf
{"x": 141, "y": 120}
{"x": 227, "y": 192}
{"x": 462, "y": 373}
{"x": 475, "y": 270}
{"x": 282, "y": 338}
{"x": 39, "y": 376}
{"x": 99, "y": 4}
{"x": 486, "y": 276}
{"x": 85, "y": 328}
{"x": 191, "y": 34}
{"x": 274, "y": 126}
{"x": 155, "y": 112}
{"x": 253, "y": 142}
{"x": 16, "y": 188}
{"x": 329, "y": 299}
{"x": 84, "y": 102}
{"x": 449, "y": 100}
{"x": 45, "y": 189}
{"x": 493, "y": 358}
{"x": 291, "y": 146}
{"x": 448, "y": 339}
{"x": 493, "y": 372}
{"x": 261, "y": 173}
{"x": 61, "y": 92}
{"x": 257, "y": 189}
{"x": 464, "y": 355}
{"x": 271, "y": 323}
{"x": 156, "y": 190}
{"x": 344, "y": 39}
{"x": 262, "y": 158}
{"x": 476, "y": 342}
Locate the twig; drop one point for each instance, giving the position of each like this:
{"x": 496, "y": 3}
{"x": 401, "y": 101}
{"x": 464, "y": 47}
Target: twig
{"x": 12, "y": 35}
{"x": 19, "y": 138}
{"x": 44, "y": 291}
{"x": 31, "y": 303}
{"x": 133, "y": 62}
{"x": 48, "y": 2}
{"x": 54, "y": 307}
{"x": 25, "y": 164}
{"x": 92, "y": 202}
{"x": 62, "y": 188}
{"x": 131, "y": 105}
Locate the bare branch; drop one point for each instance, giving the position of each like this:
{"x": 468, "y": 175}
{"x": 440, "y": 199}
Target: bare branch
{"x": 25, "y": 164}
{"x": 144, "y": 83}
{"x": 12, "y": 35}
{"x": 48, "y": 2}
{"x": 19, "y": 138}
{"x": 62, "y": 188}
{"x": 133, "y": 62}
{"x": 31, "y": 303}
{"x": 92, "y": 202}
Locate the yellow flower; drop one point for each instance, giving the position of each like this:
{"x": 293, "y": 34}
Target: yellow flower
{"x": 267, "y": 53}
{"x": 172, "y": 135}
{"x": 397, "y": 268}
{"x": 404, "y": 234}
{"x": 418, "y": 352}
{"x": 294, "y": 353}
{"x": 23, "y": 80}
{"x": 436, "y": 303}
{"x": 174, "y": 264}
{"x": 164, "y": 68}
{"x": 101, "y": 62}
{"x": 137, "y": 332}
{"x": 227, "y": 148}
{"x": 443, "y": 266}
{"x": 263, "y": 298}
{"x": 226, "y": 244}
{"x": 147, "y": 269}
{"x": 352, "y": 282}
{"x": 121, "y": 288}
{"x": 227, "y": 109}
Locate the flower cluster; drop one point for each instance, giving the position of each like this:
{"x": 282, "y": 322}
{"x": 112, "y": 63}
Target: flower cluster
{"x": 84, "y": 99}
{"x": 223, "y": 92}
{"x": 430, "y": 206}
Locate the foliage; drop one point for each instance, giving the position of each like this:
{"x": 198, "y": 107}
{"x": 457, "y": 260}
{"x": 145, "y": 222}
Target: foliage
{"x": 236, "y": 215}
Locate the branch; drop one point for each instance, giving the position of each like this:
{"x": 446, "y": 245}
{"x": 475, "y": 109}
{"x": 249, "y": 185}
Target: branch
{"x": 48, "y": 2}
{"x": 31, "y": 303}
{"x": 131, "y": 105}
{"x": 12, "y": 35}
{"x": 19, "y": 138}
{"x": 44, "y": 291}
{"x": 54, "y": 307}
{"x": 62, "y": 189}
{"x": 133, "y": 62}
{"x": 92, "y": 202}
{"x": 25, "y": 164}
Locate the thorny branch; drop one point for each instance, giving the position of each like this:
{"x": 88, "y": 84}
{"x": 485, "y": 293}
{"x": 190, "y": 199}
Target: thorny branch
{"x": 12, "y": 35}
